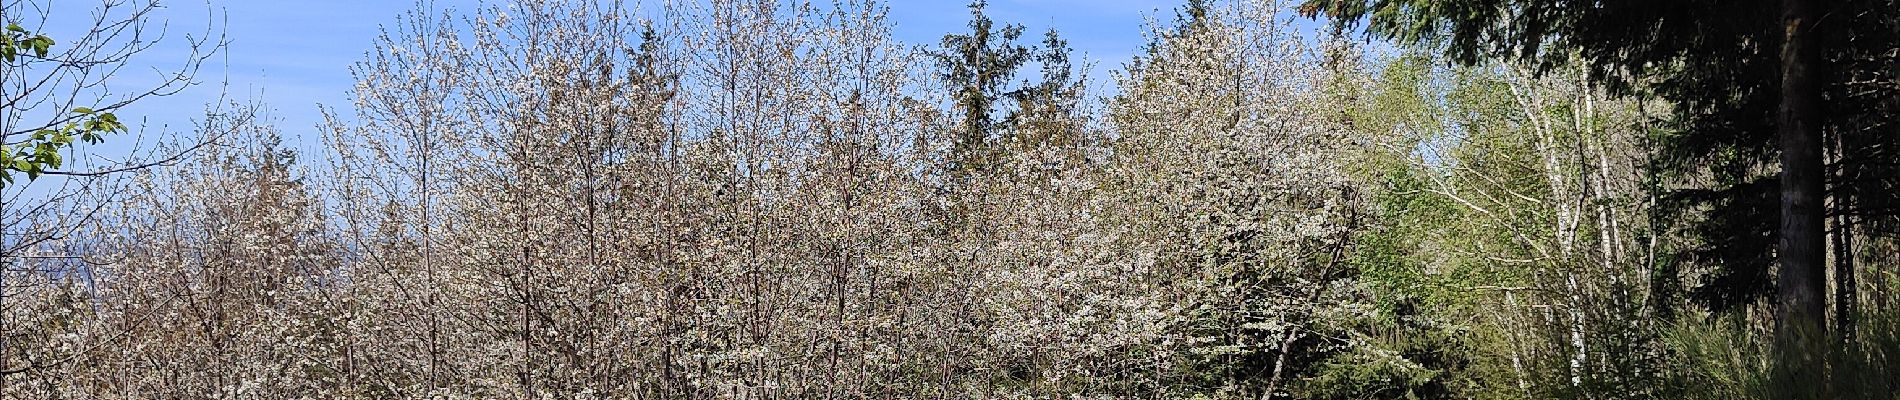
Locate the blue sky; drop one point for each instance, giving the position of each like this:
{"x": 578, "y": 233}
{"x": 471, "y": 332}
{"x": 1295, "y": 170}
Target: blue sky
{"x": 295, "y": 55}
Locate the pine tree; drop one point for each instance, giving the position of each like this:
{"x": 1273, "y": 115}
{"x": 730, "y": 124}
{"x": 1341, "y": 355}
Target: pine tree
{"x": 978, "y": 66}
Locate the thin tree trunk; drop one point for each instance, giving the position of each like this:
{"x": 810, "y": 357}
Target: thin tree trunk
{"x": 1846, "y": 296}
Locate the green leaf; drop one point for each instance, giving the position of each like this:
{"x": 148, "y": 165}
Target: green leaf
{"x": 82, "y": 110}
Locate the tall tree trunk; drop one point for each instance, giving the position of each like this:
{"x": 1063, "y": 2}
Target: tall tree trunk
{"x": 1801, "y": 253}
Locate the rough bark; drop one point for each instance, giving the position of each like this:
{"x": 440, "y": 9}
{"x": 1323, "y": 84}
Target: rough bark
{"x": 1801, "y": 250}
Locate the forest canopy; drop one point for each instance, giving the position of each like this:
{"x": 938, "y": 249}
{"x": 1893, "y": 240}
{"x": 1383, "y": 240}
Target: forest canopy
{"x": 1326, "y": 199}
